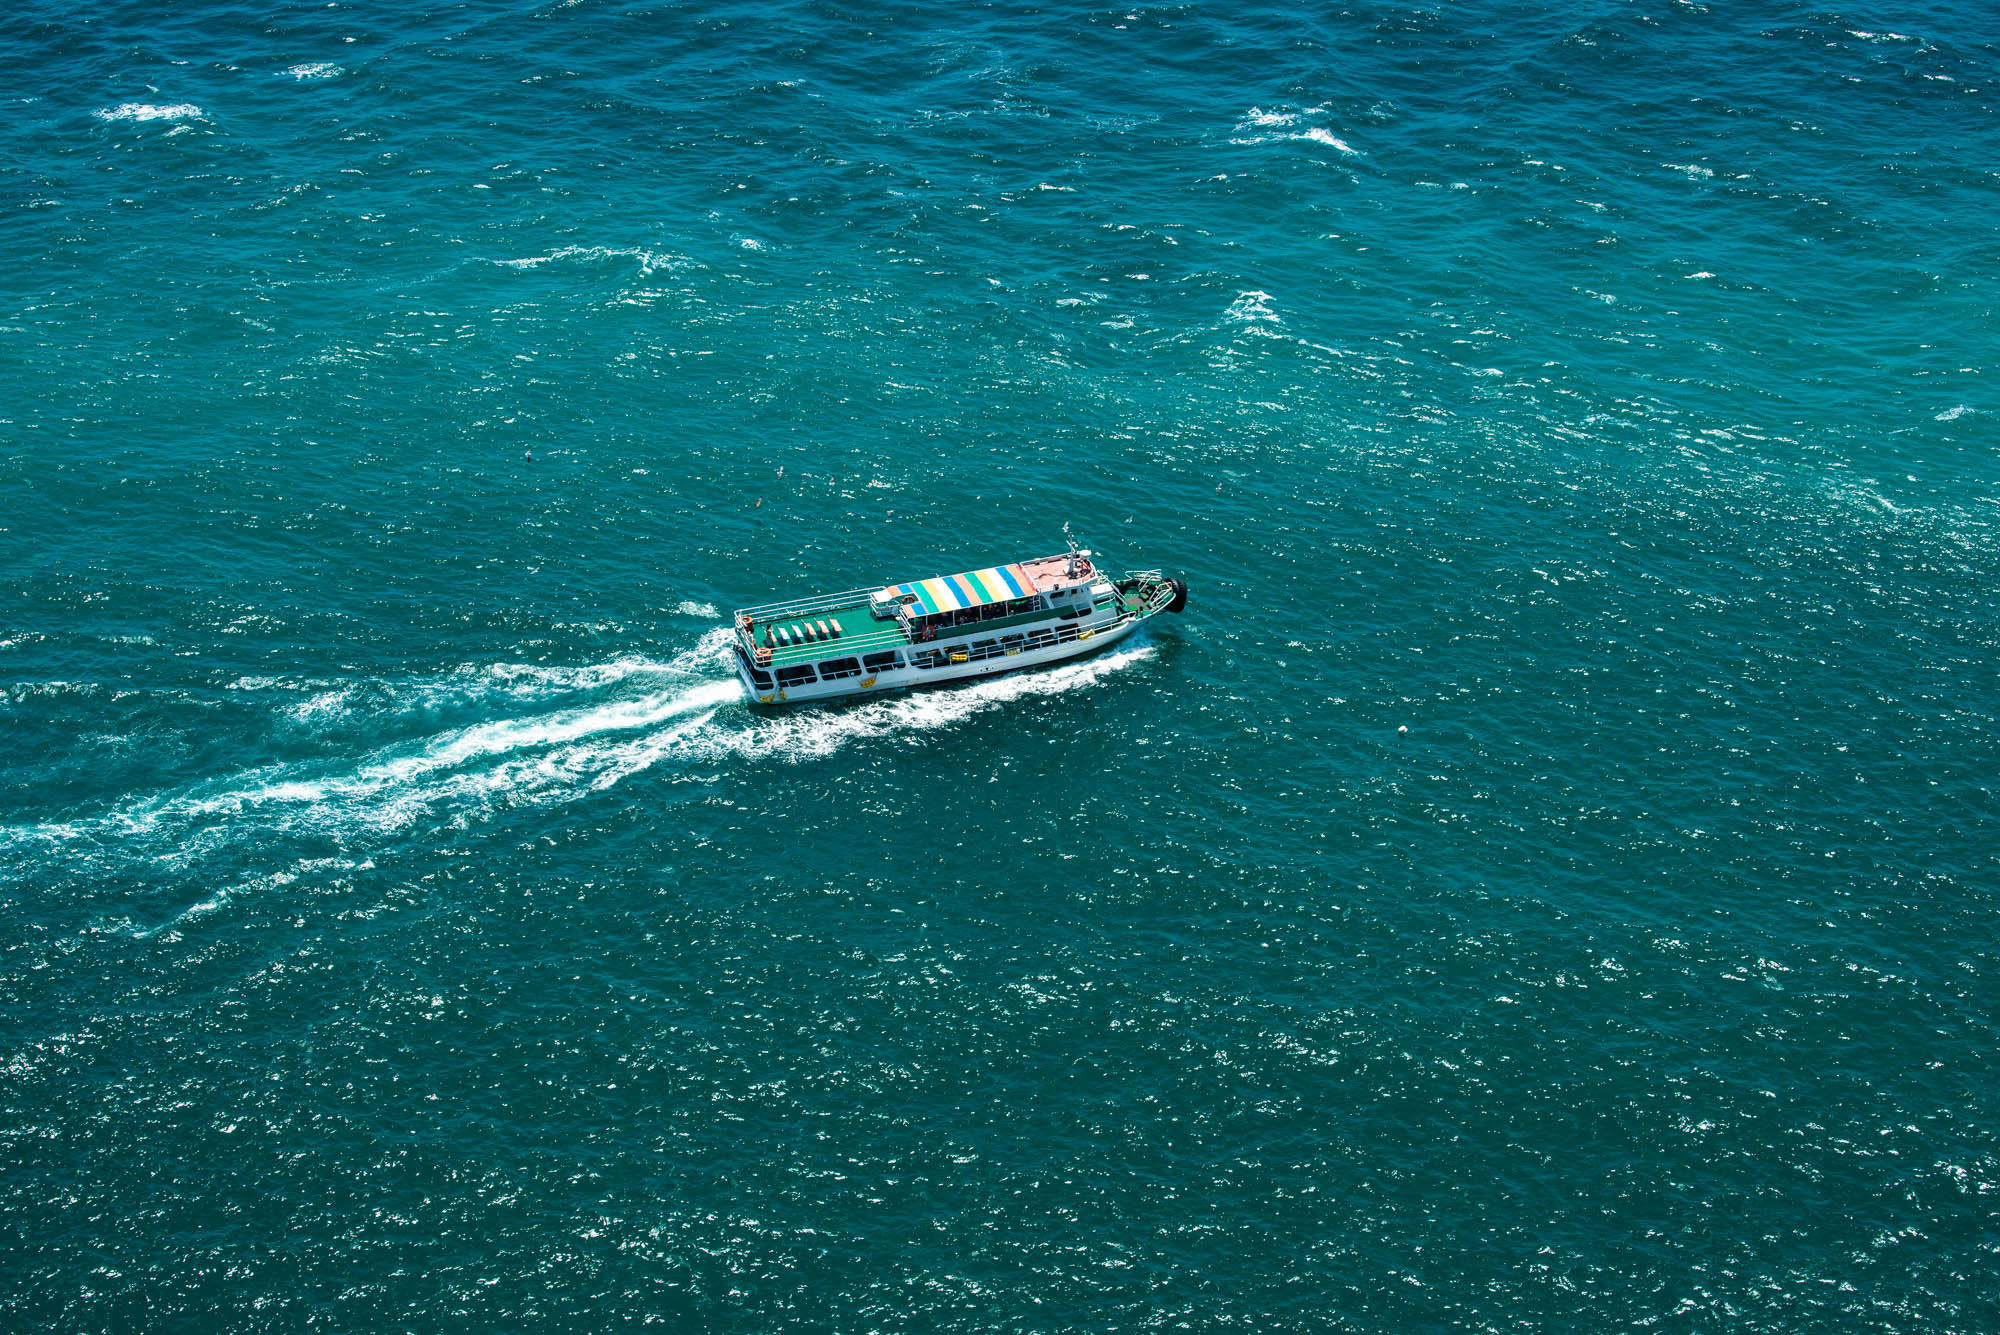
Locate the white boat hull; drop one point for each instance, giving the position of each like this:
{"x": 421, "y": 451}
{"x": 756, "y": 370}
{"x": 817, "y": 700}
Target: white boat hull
{"x": 1092, "y": 634}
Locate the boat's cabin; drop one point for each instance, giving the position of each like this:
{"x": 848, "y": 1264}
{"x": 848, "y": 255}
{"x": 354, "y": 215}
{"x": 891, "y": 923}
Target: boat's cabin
{"x": 1026, "y": 591}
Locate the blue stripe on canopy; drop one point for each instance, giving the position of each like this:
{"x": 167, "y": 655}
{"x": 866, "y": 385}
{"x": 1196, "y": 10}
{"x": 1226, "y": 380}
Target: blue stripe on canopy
{"x": 925, "y": 603}
{"x": 975, "y": 588}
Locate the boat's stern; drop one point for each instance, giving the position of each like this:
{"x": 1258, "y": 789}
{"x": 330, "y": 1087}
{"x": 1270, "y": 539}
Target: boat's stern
{"x": 751, "y": 659}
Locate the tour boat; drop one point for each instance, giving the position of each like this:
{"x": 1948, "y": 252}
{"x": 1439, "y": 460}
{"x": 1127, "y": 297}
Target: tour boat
{"x": 950, "y": 628}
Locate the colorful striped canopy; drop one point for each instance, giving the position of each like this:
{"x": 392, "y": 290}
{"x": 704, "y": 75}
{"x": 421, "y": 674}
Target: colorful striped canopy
{"x": 975, "y": 588}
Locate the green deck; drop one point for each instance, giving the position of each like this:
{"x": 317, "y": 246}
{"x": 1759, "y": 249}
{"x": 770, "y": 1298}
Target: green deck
{"x": 860, "y": 633}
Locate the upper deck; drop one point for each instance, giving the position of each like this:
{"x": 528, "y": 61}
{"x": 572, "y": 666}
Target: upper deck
{"x": 812, "y": 628}
{"x": 1051, "y": 573}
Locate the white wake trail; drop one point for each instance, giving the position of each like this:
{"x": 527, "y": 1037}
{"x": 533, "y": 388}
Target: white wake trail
{"x": 690, "y": 717}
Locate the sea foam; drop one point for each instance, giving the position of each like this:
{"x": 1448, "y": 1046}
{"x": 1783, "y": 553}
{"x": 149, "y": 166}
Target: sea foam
{"x": 649, "y": 260}
{"x": 1259, "y": 126}
{"x": 149, "y": 111}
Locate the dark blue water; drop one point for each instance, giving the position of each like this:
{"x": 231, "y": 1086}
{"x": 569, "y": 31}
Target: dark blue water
{"x": 1545, "y": 882}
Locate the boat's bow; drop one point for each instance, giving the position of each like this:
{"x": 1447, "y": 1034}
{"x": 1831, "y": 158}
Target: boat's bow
{"x": 1145, "y": 593}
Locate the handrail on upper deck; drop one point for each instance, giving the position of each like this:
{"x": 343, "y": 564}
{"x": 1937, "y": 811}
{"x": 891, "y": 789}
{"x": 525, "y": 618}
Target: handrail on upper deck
{"x": 860, "y": 642}
{"x": 821, "y": 603}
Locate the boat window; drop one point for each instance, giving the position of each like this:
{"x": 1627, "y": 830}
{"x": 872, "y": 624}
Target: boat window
{"x": 1066, "y": 633}
{"x": 795, "y": 676}
{"x": 833, "y": 669}
{"x": 877, "y": 662}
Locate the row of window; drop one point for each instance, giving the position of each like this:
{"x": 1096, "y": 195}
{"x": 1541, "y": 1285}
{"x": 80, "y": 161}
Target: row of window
{"x": 972, "y": 616}
{"x": 835, "y": 669}
{"x": 982, "y": 649}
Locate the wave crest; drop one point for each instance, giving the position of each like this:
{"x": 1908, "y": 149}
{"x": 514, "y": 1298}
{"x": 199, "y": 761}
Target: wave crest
{"x": 149, "y": 111}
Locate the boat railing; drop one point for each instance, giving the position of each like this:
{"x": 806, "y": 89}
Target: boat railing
{"x": 953, "y": 654}
{"x": 888, "y": 637}
{"x": 928, "y": 657}
{"x": 825, "y": 602}
{"x": 1153, "y": 596}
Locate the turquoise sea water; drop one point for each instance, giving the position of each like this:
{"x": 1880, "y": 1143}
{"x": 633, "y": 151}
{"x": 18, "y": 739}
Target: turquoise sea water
{"x": 1545, "y": 882}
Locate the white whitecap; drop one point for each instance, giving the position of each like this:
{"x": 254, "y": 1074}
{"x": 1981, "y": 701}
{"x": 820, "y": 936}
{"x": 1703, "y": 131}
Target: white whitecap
{"x": 649, "y": 260}
{"x": 1250, "y": 308}
{"x": 1259, "y": 126}
{"x": 1319, "y": 136}
{"x": 1953, "y": 414}
{"x": 314, "y": 69}
{"x": 690, "y": 608}
{"x": 149, "y": 111}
